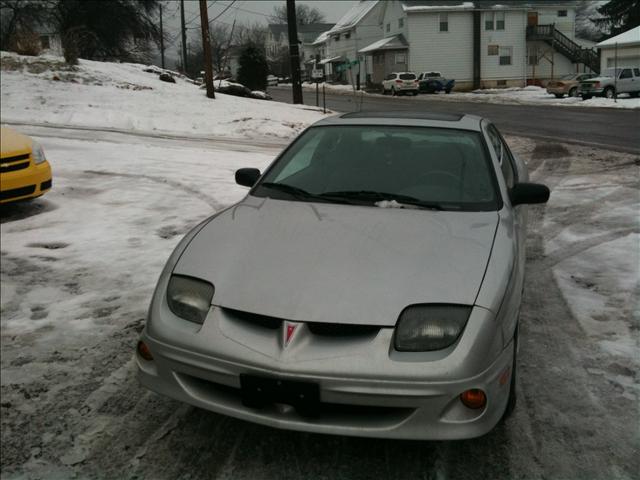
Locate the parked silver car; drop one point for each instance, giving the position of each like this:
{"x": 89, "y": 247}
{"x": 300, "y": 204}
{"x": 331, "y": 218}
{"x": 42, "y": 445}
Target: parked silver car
{"x": 369, "y": 284}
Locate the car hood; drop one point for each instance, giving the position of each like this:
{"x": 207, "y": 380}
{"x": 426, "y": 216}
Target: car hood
{"x": 596, "y": 79}
{"x": 335, "y": 263}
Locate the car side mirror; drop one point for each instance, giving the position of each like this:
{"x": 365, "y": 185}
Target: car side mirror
{"x": 247, "y": 177}
{"x": 528, "y": 193}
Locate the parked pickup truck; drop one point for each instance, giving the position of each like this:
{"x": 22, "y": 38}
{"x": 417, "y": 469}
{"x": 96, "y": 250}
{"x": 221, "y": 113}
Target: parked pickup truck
{"x": 607, "y": 85}
{"x": 433, "y": 82}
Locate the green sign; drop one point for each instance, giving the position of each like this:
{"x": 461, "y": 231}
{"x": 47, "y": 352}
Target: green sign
{"x": 341, "y": 67}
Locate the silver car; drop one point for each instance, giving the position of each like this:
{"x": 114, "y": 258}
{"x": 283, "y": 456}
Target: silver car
{"x": 369, "y": 284}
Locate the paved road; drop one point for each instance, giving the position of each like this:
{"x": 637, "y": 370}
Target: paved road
{"x": 614, "y": 129}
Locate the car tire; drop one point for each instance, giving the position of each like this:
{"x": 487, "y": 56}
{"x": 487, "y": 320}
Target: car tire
{"x": 415, "y": 93}
{"x": 511, "y": 401}
{"x": 573, "y": 92}
{"x": 609, "y": 92}
{"x": 634, "y": 94}
{"x": 559, "y": 95}
{"x": 447, "y": 91}
{"x": 393, "y": 92}
{"x": 586, "y": 97}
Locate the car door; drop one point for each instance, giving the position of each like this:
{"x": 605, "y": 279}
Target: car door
{"x": 625, "y": 81}
{"x": 515, "y": 220}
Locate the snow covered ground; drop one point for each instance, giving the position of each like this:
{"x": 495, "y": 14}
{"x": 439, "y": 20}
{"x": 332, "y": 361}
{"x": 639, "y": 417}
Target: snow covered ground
{"x": 101, "y": 94}
{"x": 78, "y": 267}
{"x": 530, "y": 95}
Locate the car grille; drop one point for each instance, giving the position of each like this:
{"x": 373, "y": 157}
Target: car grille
{"x": 17, "y": 192}
{"x": 358, "y": 415}
{"x": 17, "y": 162}
{"x": 317, "y": 328}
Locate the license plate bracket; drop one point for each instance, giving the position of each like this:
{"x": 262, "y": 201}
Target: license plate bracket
{"x": 258, "y": 392}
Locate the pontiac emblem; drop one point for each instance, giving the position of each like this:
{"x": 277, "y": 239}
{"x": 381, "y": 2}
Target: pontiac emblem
{"x": 289, "y": 331}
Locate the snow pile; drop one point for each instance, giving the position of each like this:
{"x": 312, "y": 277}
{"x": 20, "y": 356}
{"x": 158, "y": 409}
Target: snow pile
{"x": 533, "y": 95}
{"x": 124, "y": 96}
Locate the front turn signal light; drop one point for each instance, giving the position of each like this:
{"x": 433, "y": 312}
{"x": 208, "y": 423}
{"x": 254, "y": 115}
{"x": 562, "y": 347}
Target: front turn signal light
{"x": 473, "y": 398}
{"x": 144, "y": 352}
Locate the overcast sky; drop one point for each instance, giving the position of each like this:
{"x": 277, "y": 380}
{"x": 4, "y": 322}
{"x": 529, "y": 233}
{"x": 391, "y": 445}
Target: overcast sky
{"x": 244, "y": 11}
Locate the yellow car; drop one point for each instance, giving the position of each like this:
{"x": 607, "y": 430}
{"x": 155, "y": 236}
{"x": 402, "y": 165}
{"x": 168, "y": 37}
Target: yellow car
{"x": 24, "y": 170}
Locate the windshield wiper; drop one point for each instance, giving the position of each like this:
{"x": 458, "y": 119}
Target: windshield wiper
{"x": 296, "y": 192}
{"x": 370, "y": 196}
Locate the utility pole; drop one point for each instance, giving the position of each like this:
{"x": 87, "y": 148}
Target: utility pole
{"x": 184, "y": 38}
{"x": 206, "y": 49}
{"x": 161, "y": 38}
{"x": 294, "y": 53}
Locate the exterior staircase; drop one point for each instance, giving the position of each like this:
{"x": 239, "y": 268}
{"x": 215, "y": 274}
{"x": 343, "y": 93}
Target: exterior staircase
{"x": 564, "y": 45}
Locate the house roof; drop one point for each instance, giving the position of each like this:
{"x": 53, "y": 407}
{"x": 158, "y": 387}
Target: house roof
{"x": 349, "y": 19}
{"x": 427, "y": 5}
{"x": 395, "y": 42}
{"x": 630, "y": 37}
{"x": 306, "y": 32}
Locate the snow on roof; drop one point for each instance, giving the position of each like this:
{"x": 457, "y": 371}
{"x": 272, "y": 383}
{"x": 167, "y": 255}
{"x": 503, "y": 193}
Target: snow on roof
{"x": 630, "y": 37}
{"x": 389, "y": 43}
{"x": 441, "y": 6}
{"x": 353, "y": 16}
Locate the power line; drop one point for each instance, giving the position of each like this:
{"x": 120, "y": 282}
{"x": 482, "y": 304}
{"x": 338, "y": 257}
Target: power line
{"x": 222, "y": 12}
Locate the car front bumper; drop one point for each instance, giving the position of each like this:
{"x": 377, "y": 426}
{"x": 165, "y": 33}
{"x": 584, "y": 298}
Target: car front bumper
{"x": 26, "y": 183}
{"x": 366, "y": 388}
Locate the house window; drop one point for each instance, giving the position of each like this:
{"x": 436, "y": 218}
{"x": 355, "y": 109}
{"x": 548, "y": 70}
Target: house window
{"x": 400, "y": 22}
{"x": 444, "y": 22}
{"x": 488, "y": 21}
{"x": 501, "y": 83}
{"x": 499, "y": 20}
{"x": 492, "y": 50}
{"x": 562, "y": 13}
{"x": 505, "y": 55}
{"x": 347, "y": 35}
{"x": 44, "y": 41}
{"x": 401, "y": 58}
{"x": 388, "y": 27}
{"x": 337, "y": 38}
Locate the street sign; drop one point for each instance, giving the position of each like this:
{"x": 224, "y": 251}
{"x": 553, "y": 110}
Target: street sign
{"x": 317, "y": 73}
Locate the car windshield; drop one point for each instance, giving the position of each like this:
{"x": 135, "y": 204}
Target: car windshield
{"x": 385, "y": 166}
{"x": 407, "y": 76}
{"x": 432, "y": 74}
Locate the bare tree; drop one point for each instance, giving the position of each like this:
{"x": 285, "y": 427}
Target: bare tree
{"x": 304, "y": 15}
{"x": 18, "y": 18}
{"x": 250, "y": 34}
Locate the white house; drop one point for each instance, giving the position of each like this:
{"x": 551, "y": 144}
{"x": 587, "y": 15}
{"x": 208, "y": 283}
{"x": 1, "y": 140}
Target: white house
{"x": 623, "y": 49}
{"x": 479, "y": 43}
{"x": 338, "y": 47}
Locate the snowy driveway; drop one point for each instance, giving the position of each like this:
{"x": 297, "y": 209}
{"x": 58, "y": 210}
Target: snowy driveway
{"x": 78, "y": 267}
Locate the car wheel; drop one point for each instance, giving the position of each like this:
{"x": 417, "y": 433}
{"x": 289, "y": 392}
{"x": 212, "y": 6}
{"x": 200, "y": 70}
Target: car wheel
{"x": 559, "y": 95}
{"x": 415, "y": 93}
{"x": 573, "y": 92}
{"x": 393, "y": 92}
{"x": 609, "y": 92}
{"x": 447, "y": 91}
{"x": 586, "y": 97}
{"x": 634, "y": 94}
{"x": 511, "y": 402}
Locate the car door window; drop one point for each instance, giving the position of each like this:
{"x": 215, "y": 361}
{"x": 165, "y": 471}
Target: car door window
{"x": 636, "y": 72}
{"x": 504, "y": 156}
{"x": 626, "y": 73}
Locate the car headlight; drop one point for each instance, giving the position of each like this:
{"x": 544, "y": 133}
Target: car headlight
{"x": 189, "y": 298}
{"x": 424, "y": 328}
{"x": 38, "y": 153}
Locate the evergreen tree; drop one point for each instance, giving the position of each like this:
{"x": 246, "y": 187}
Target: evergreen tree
{"x": 619, "y": 16}
{"x": 253, "y": 69}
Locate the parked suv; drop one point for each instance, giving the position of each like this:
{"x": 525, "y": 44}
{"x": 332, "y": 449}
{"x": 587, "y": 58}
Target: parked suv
{"x": 400, "y": 82}
{"x": 607, "y": 85}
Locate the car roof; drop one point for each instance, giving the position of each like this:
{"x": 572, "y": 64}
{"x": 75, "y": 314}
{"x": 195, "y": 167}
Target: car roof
{"x": 406, "y": 118}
